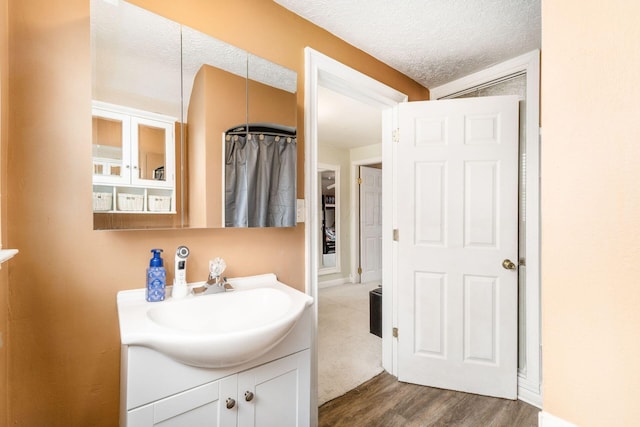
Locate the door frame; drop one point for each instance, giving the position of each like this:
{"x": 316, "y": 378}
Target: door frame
{"x": 529, "y": 380}
{"x": 321, "y": 70}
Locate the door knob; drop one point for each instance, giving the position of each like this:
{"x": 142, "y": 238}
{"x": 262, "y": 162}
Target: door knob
{"x": 507, "y": 264}
{"x": 248, "y": 396}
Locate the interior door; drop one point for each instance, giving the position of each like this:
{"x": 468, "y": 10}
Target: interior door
{"x": 370, "y": 224}
{"x": 457, "y": 212}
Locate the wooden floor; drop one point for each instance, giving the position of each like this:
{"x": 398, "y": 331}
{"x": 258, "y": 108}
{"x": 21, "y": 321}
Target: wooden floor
{"x": 384, "y": 401}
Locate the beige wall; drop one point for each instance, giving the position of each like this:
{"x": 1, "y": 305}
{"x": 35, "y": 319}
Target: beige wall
{"x": 4, "y": 294}
{"x": 207, "y": 121}
{"x": 64, "y": 341}
{"x": 591, "y": 211}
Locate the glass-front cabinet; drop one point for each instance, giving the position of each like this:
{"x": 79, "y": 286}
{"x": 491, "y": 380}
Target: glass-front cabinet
{"x": 133, "y": 160}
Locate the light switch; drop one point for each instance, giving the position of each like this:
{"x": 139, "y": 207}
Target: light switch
{"x": 299, "y": 210}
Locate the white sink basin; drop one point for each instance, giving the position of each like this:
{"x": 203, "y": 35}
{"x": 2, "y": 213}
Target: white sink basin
{"x": 214, "y": 331}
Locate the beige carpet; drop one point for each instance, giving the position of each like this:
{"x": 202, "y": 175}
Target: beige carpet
{"x": 348, "y": 354}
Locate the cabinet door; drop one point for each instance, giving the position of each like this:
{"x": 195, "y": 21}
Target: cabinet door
{"x": 276, "y": 394}
{"x": 204, "y": 406}
{"x": 152, "y": 152}
{"x": 111, "y": 139}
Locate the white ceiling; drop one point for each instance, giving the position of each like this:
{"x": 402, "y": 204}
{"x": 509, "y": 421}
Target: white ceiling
{"x": 346, "y": 123}
{"x": 431, "y": 41}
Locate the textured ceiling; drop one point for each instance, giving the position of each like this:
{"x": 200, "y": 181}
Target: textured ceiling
{"x": 139, "y": 59}
{"x": 431, "y": 41}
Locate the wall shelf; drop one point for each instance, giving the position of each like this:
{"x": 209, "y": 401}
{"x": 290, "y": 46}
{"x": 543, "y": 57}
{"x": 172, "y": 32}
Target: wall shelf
{"x": 7, "y": 254}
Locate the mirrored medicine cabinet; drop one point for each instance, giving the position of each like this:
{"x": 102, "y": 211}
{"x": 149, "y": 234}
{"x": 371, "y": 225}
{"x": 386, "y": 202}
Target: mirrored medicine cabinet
{"x": 172, "y": 111}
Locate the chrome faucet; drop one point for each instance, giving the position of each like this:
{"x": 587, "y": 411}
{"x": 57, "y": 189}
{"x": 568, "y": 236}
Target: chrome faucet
{"x": 213, "y": 285}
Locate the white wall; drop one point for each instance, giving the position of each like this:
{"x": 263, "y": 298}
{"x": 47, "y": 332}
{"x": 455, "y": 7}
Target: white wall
{"x": 348, "y": 207}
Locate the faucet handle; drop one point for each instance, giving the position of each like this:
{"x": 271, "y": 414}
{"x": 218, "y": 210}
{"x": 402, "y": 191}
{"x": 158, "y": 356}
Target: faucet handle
{"x": 216, "y": 267}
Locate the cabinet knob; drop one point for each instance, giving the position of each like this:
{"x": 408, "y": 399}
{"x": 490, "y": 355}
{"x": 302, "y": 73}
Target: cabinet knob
{"x": 248, "y": 396}
{"x": 230, "y": 403}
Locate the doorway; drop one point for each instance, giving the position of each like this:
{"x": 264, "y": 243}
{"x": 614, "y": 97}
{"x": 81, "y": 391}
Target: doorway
{"x": 320, "y": 68}
{"x": 369, "y": 219}
{"x": 349, "y": 132}
{"x": 322, "y": 71}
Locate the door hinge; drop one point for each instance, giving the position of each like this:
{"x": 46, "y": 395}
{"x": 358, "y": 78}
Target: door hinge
{"x": 395, "y": 136}
{"x": 359, "y": 180}
{"x": 359, "y": 270}
{"x": 396, "y": 235}
{"x": 394, "y": 332}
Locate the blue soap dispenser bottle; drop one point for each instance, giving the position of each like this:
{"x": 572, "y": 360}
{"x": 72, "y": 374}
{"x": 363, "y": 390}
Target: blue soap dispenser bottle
{"x": 156, "y": 278}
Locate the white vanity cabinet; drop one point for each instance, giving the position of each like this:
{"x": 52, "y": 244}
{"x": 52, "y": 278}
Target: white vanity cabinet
{"x": 274, "y": 394}
{"x": 271, "y": 390}
{"x": 200, "y": 406}
{"x": 133, "y": 160}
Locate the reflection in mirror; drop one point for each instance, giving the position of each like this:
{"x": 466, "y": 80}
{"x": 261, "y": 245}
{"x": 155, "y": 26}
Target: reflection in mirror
{"x": 163, "y": 96}
{"x": 136, "y": 111}
{"x": 215, "y": 88}
{"x": 329, "y": 180}
{"x": 260, "y": 176}
{"x": 260, "y": 158}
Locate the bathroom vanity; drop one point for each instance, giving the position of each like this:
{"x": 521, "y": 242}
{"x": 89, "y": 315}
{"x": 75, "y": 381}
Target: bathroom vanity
{"x": 271, "y": 389}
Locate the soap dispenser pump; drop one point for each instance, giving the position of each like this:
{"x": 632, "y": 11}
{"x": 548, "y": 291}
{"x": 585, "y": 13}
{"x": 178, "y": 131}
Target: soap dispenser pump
{"x": 156, "y": 278}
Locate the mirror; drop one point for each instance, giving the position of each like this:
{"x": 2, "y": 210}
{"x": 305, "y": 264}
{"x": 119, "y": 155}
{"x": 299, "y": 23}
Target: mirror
{"x": 136, "y": 119}
{"x": 163, "y": 97}
{"x": 215, "y": 98}
{"x": 329, "y": 181}
{"x": 260, "y": 158}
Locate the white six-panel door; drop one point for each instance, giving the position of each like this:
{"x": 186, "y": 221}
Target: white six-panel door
{"x": 457, "y": 214}
{"x": 370, "y": 224}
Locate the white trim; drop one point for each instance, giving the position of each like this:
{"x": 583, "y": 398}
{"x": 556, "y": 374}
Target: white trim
{"x": 545, "y": 419}
{"x": 334, "y": 282}
{"x": 529, "y": 382}
{"x": 320, "y": 70}
{"x": 512, "y": 66}
{"x": 529, "y": 391}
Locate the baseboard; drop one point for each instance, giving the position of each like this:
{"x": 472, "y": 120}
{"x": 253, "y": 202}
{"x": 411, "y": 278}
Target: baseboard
{"x": 530, "y": 397}
{"x": 545, "y": 419}
{"x": 334, "y": 282}
{"x": 529, "y": 392}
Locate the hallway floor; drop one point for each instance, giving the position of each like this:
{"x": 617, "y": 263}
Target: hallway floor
{"x": 348, "y": 355}
{"x": 385, "y": 402}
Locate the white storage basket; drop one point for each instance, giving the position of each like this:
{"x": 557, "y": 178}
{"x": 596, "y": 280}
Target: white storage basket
{"x": 102, "y": 201}
{"x": 130, "y": 202}
{"x": 159, "y": 203}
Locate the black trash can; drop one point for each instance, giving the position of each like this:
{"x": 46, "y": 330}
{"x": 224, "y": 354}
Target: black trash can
{"x": 375, "y": 312}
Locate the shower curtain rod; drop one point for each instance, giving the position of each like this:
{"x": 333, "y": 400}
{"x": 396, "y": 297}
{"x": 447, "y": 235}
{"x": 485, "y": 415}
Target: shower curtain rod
{"x": 263, "y": 128}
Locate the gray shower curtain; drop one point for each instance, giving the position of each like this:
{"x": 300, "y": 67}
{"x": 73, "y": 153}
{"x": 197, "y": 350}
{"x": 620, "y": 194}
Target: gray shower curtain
{"x": 260, "y": 180}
